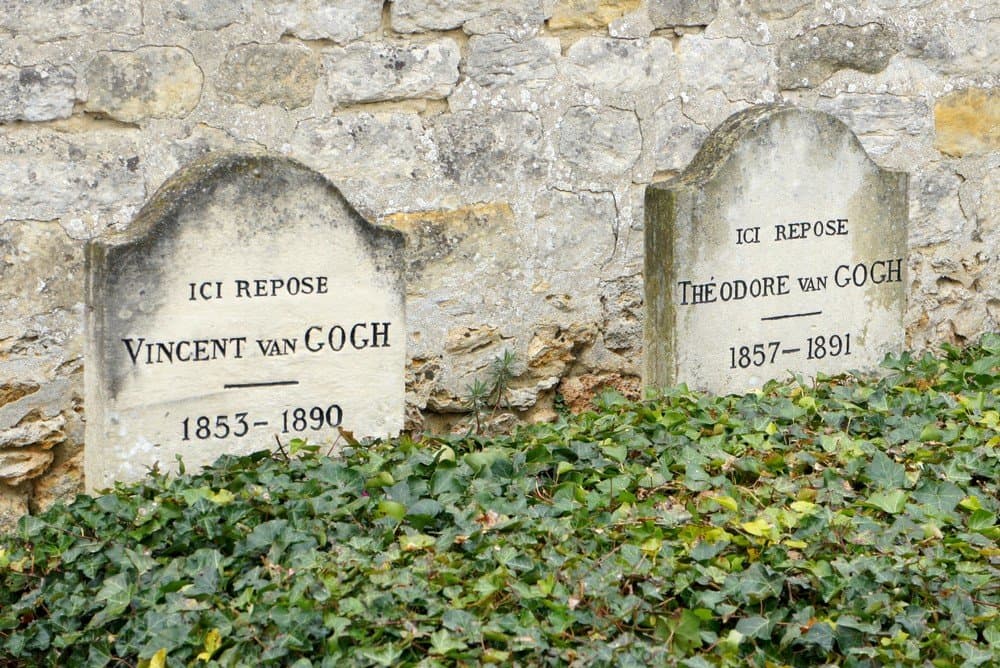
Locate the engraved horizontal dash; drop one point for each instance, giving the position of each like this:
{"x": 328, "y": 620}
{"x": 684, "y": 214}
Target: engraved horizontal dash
{"x": 270, "y": 383}
{"x": 792, "y": 315}
{"x": 790, "y": 350}
{"x": 260, "y": 423}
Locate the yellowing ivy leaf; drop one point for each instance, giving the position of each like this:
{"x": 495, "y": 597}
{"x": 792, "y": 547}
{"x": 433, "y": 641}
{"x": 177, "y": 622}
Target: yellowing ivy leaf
{"x": 971, "y": 503}
{"x": 651, "y": 546}
{"x": 727, "y": 502}
{"x": 213, "y": 640}
{"x": 222, "y": 497}
{"x": 414, "y": 542}
{"x": 804, "y": 507}
{"x": 759, "y": 527}
{"x": 159, "y": 660}
{"x": 807, "y": 402}
{"x": 393, "y": 509}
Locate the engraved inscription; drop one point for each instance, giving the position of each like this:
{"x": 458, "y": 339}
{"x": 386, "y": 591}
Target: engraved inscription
{"x": 247, "y": 302}
{"x": 691, "y": 293}
{"x": 780, "y": 249}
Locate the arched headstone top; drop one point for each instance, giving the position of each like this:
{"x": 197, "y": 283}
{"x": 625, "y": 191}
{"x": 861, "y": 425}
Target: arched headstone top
{"x": 757, "y": 131}
{"x": 781, "y": 247}
{"x": 247, "y": 301}
{"x": 195, "y": 186}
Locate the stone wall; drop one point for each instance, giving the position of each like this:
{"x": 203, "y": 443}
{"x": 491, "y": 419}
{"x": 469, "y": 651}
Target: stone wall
{"x": 511, "y": 140}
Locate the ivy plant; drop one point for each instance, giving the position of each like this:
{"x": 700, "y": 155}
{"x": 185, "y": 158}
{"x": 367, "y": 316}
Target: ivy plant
{"x": 846, "y": 521}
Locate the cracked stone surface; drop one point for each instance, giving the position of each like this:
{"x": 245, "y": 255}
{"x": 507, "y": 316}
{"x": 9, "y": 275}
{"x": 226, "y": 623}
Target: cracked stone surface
{"x": 498, "y": 59}
{"x": 87, "y": 181}
{"x": 49, "y": 20}
{"x": 42, "y": 93}
{"x": 152, "y": 81}
{"x": 367, "y": 72}
{"x": 414, "y": 16}
{"x": 281, "y": 74}
{"x": 578, "y": 14}
{"x": 599, "y": 142}
{"x": 811, "y": 58}
{"x": 342, "y": 21}
{"x": 208, "y": 14}
{"x": 669, "y": 13}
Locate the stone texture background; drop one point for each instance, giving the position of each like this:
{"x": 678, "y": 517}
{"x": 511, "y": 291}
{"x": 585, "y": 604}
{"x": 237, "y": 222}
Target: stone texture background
{"x": 511, "y": 140}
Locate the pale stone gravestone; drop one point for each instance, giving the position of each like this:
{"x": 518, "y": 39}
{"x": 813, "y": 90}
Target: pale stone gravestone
{"x": 782, "y": 247}
{"x": 248, "y": 300}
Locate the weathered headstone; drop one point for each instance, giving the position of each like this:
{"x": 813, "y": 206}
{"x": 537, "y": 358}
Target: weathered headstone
{"x": 782, "y": 247}
{"x": 247, "y": 300}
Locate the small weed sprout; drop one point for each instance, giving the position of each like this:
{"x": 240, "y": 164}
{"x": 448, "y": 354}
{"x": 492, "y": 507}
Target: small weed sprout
{"x": 477, "y": 396}
{"x": 492, "y": 393}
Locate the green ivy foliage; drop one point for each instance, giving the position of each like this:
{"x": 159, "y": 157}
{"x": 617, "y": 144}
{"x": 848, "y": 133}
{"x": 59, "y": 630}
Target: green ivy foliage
{"x": 847, "y": 522}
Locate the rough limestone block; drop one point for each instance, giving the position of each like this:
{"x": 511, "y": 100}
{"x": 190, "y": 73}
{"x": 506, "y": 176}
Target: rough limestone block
{"x": 574, "y": 14}
{"x": 737, "y": 68}
{"x": 967, "y": 122}
{"x": 341, "y": 21}
{"x": 351, "y": 146}
{"x": 412, "y": 16}
{"x": 935, "y": 210}
{"x": 483, "y": 151}
{"x": 575, "y": 232}
{"x": 669, "y": 13}
{"x": 150, "y": 82}
{"x": 675, "y": 138}
{"x": 62, "y": 481}
{"x": 517, "y": 20}
{"x": 89, "y": 180}
{"x": 778, "y": 9}
{"x": 615, "y": 66}
{"x": 811, "y": 58}
{"x": 48, "y": 20}
{"x": 281, "y": 74}
{"x": 497, "y": 59}
{"x": 41, "y": 269}
{"x": 13, "y": 505}
{"x": 599, "y": 142}
{"x": 879, "y": 114}
{"x": 208, "y": 14}
{"x": 36, "y": 93}
{"x": 17, "y": 466}
{"x": 781, "y": 247}
{"x": 248, "y": 302}
{"x": 373, "y": 72}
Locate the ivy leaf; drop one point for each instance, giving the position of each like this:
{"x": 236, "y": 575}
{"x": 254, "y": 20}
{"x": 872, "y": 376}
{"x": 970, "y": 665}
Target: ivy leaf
{"x": 820, "y": 634}
{"x": 992, "y": 635}
{"x": 759, "y": 527}
{"x": 980, "y": 520}
{"x": 444, "y": 643}
{"x": 754, "y": 627}
{"x": 116, "y": 593}
{"x": 941, "y": 497}
{"x": 415, "y": 542}
{"x": 687, "y": 631}
{"x": 884, "y": 473}
{"x": 159, "y": 660}
{"x": 386, "y": 655}
{"x": 891, "y": 502}
{"x": 213, "y": 641}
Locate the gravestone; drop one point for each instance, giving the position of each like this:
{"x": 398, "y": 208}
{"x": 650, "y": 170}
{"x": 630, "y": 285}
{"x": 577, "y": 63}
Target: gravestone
{"x": 782, "y": 247}
{"x": 247, "y": 301}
